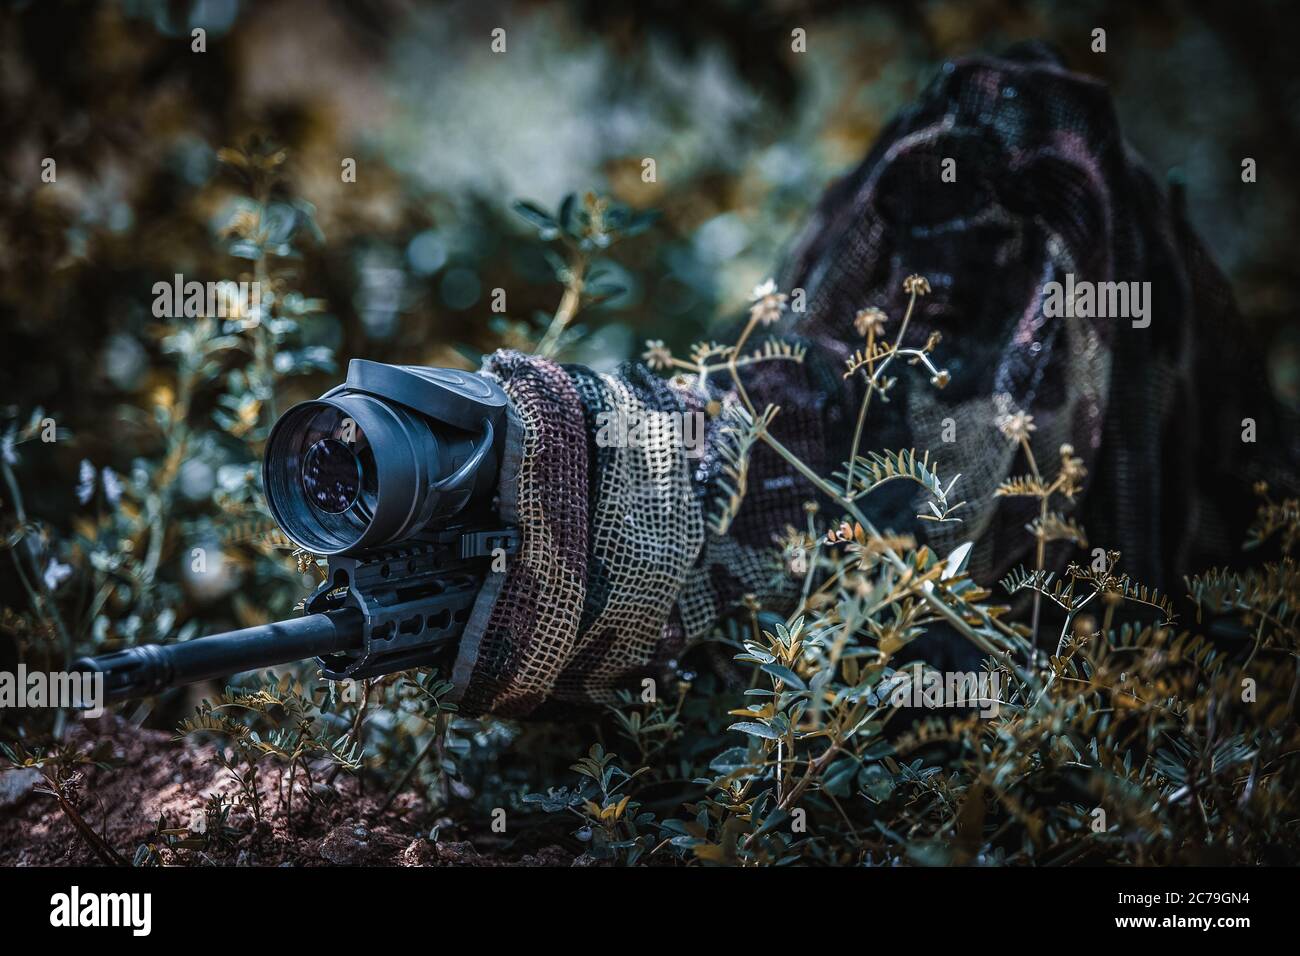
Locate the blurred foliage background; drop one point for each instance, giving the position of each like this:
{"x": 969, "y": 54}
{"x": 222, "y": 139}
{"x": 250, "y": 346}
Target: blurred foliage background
{"x": 160, "y": 420}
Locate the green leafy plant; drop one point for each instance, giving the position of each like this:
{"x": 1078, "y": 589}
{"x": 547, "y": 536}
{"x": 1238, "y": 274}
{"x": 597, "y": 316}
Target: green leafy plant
{"x": 297, "y": 734}
{"x": 584, "y": 229}
{"x": 784, "y": 739}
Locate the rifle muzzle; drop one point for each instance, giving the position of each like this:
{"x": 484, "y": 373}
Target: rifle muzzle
{"x": 150, "y": 668}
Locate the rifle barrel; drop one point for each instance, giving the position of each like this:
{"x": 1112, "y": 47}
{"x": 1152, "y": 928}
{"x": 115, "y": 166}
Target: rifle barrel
{"x": 150, "y": 668}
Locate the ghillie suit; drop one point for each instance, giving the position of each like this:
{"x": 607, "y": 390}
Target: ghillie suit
{"x": 619, "y": 568}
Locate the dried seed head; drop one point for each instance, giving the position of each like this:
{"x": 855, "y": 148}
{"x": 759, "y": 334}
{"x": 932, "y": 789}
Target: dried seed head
{"x": 1072, "y": 471}
{"x": 1016, "y": 426}
{"x": 869, "y": 322}
{"x": 768, "y": 304}
{"x": 657, "y": 355}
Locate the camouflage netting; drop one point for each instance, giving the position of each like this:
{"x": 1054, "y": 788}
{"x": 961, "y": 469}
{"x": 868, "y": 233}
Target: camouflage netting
{"x": 618, "y": 569}
{"x": 598, "y": 594}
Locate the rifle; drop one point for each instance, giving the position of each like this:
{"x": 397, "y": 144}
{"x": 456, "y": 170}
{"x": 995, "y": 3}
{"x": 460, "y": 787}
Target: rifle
{"x": 392, "y": 477}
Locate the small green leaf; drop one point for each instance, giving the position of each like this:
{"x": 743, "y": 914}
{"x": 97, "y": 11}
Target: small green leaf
{"x": 755, "y": 730}
{"x": 783, "y": 673}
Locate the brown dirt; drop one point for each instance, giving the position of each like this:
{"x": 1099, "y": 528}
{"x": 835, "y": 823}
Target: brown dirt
{"x": 157, "y": 777}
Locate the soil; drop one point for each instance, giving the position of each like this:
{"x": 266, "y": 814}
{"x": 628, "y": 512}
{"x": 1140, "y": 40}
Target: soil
{"x": 157, "y": 778}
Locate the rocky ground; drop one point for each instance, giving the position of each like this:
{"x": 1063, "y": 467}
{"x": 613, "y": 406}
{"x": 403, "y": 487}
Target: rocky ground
{"x": 161, "y": 783}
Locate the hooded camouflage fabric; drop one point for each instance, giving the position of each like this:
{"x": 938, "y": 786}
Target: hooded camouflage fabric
{"x": 618, "y": 571}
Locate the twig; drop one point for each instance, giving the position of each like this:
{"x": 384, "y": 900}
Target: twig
{"x": 569, "y": 305}
{"x": 875, "y": 373}
{"x": 406, "y": 776}
{"x": 354, "y": 734}
{"x": 732, "y": 365}
{"x": 97, "y": 843}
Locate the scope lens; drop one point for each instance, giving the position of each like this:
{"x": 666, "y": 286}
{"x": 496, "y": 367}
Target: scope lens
{"x": 322, "y": 479}
{"x": 352, "y": 471}
{"x": 331, "y": 476}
